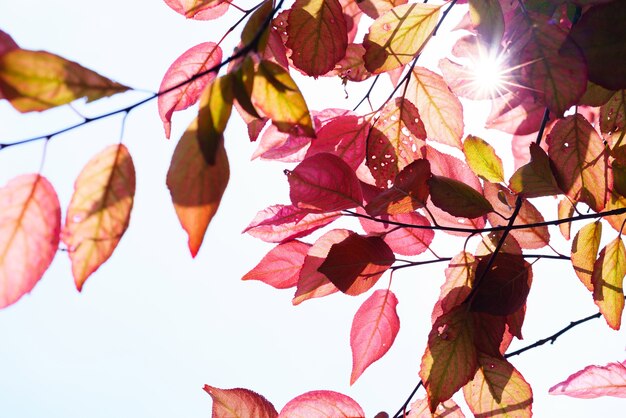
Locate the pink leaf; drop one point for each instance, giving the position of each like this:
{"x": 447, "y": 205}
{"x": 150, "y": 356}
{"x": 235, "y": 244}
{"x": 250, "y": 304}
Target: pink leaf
{"x": 240, "y": 403}
{"x": 281, "y": 266}
{"x": 322, "y": 404}
{"x": 447, "y": 409}
{"x": 374, "y": 329}
{"x": 199, "y": 9}
{"x": 30, "y": 222}
{"x": 344, "y": 137}
{"x": 403, "y": 241}
{"x": 594, "y": 381}
{"x": 281, "y": 146}
{"x": 324, "y": 183}
{"x": 196, "y": 60}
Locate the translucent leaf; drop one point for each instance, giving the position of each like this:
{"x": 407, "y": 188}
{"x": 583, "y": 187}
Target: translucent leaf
{"x": 447, "y": 409}
{"x": 398, "y": 35}
{"x": 30, "y": 222}
{"x": 403, "y": 241}
{"x": 276, "y": 96}
{"x": 39, "y": 80}
{"x": 565, "y": 210}
{"x": 441, "y": 110}
{"x": 6, "y": 43}
{"x": 516, "y": 113}
{"x": 489, "y": 333}
{"x": 375, "y": 8}
{"x": 594, "y": 381}
{"x": 396, "y": 140}
{"x": 457, "y": 198}
{"x": 280, "y": 223}
{"x": 450, "y": 360}
{"x": 343, "y": 136}
{"x": 487, "y": 18}
{"x": 194, "y": 61}
{"x": 352, "y": 66}
{"x": 280, "y": 146}
{"x": 585, "y": 248}
{"x": 99, "y": 211}
{"x": 613, "y": 113}
{"x": 216, "y": 103}
{"x": 608, "y": 281}
{"x": 324, "y": 183}
{"x": 317, "y": 34}
{"x": 239, "y": 403}
{"x": 535, "y": 179}
{"x": 374, "y": 330}
{"x": 482, "y": 159}
{"x": 355, "y": 264}
{"x": 281, "y": 266}
{"x": 322, "y": 404}
{"x": 580, "y": 160}
{"x": 498, "y": 390}
{"x": 196, "y": 186}
{"x": 458, "y": 284}
{"x": 199, "y": 9}
{"x": 595, "y": 95}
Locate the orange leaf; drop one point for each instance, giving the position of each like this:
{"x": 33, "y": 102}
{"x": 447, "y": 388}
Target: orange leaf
{"x": 239, "y": 403}
{"x": 608, "y": 281}
{"x": 584, "y": 251}
{"x": 196, "y": 187}
{"x": 99, "y": 211}
{"x": 30, "y": 221}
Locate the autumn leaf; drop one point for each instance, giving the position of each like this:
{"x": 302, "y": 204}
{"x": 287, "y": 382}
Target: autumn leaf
{"x": 460, "y": 275}
{"x": 99, "y": 211}
{"x": 30, "y": 222}
{"x": 324, "y": 183}
{"x": 173, "y": 96}
{"x": 398, "y": 35}
{"x": 498, "y": 390}
{"x": 317, "y": 34}
{"x": 374, "y": 329}
{"x": 216, "y": 103}
{"x": 343, "y": 136}
{"x": 613, "y": 113}
{"x": 39, "y": 80}
{"x": 535, "y": 179}
{"x": 322, "y": 404}
{"x": 403, "y": 241}
{"x": 516, "y": 112}
{"x": 355, "y": 264}
{"x": 608, "y": 281}
{"x": 199, "y": 9}
{"x": 482, "y": 159}
{"x": 565, "y": 210}
{"x": 240, "y": 403}
{"x": 457, "y": 198}
{"x": 196, "y": 186}
{"x": 281, "y": 266}
{"x": 441, "y": 110}
{"x": 446, "y": 409}
{"x": 487, "y": 18}
{"x": 584, "y": 251}
{"x": 594, "y": 381}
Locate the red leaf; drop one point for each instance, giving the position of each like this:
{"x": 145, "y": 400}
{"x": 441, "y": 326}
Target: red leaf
{"x": 281, "y": 266}
{"x": 199, "y": 9}
{"x": 355, "y": 264}
{"x": 594, "y": 381}
{"x": 322, "y": 404}
{"x": 99, "y": 212}
{"x": 196, "y": 186}
{"x": 374, "y": 329}
{"x": 317, "y": 34}
{"x": 343, "y": 136}
{"x": 30, "y": 222}
{"x": 195, "y": 60}
{"x": 324, "y": 183}
{"x": 280, "y": 223}
{"x": 239, "y": 403}
{"x": 6, "y": 43}
{"x": 403, "y": 241}
{"x": 516, "y": 113}
{"x": 281, "y": 146}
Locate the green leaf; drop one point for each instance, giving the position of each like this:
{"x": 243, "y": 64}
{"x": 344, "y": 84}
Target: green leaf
{"x": 275, "y": 95}
{"x": 457, "y": 198}
{"x": 39, "y": 80}
{"x": 482, "y": 159}
{"x": 535, "y": 178}
{"x": 584, "y": 250}
{"x": 216, "y": 103}
{"x": 398, "y": 35}
{"x": 608, "y": 282}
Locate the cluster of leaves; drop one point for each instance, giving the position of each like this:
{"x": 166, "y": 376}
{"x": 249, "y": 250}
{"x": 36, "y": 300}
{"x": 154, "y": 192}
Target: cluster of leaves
{"x": 393, "y": 168}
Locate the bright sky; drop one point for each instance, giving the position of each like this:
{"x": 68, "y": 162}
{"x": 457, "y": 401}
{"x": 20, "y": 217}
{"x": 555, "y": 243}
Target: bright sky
{"x": 152, "y": 326}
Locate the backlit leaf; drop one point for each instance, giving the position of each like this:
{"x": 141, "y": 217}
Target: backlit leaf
{"x": 355, "y": 264}
{"x": 276, "y": 96}
{"x": 239, "y": 403}
{"x": 352, "y": 66}
{"x": 457, "y": 198}
{"x": 6, "y": 43}
{"x": 196, "y": 60}
{"x": 375, "y": 8}
{"x": 516, "y": 113}
{"x": 608, "y": 281}
{"x": 447, "y": 409}
{"x": 535, "y": 178}
{"x": 39, "y": 80}
{"x": 374, "y": 329}
{"x": 584, "y": 251}
{"x": 216, "y": 103}
{"x": 613, "y": 113}
{"x": 441, "y": 110}
{"x": 482, "y": 159}
{"x": 324, "y": 183}
{"x": 580, "y": 160}
{"x": 322, "y": 404}
{"x": 398, "y": 35}
{"x": 594, "y": 381}
{"x": 343, "y": 136}
{"x": 196, "y": 186}
{"x": 395, "y": 140}
{"x": 30, "y": 222}
{"x": 487, "y": 18}
{"x": 450, "y": 360}
{"x": 317, "y": 34}
{"x": 498, "y": 390}
{"x": 199, "y": 9}
{"x": 565, "y": 211}
{"x": 458, "y": 284}
{"x": 403, "y": 241}
{"x": 281, "y": 266}
{"x": 99, "y": 211}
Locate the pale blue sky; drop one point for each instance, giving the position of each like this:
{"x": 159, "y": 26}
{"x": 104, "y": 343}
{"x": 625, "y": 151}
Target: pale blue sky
{"x": 152, "y": 326}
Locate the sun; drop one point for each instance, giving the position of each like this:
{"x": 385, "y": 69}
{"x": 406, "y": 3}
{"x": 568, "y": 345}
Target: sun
{"x": 489, "y": 74}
